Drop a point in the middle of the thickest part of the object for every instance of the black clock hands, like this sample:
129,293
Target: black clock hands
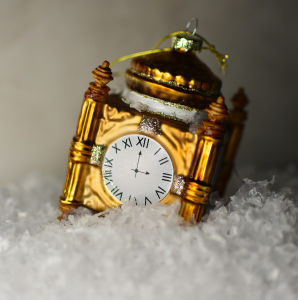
136,170
147,173
140,153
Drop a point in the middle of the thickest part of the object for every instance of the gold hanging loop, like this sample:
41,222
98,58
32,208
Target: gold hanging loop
221,58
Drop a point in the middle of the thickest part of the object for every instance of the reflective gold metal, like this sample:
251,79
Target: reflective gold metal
81,176
197,190
103,120
178,78
234,131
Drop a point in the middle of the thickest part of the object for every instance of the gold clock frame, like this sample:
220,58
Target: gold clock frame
103,119
116,120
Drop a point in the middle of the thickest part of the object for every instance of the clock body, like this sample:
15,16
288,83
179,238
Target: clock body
167,155
156,142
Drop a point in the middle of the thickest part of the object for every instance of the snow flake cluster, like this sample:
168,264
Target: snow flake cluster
245,250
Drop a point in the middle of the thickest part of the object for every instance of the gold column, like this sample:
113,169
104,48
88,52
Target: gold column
82,143
197,189
235,127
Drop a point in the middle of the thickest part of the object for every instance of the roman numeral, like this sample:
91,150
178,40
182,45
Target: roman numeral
163,161
157,151
107,174
166,177
108,162
134,198
127,143
160,191
115,147
119,194
143,142
146,199
115,191
109,181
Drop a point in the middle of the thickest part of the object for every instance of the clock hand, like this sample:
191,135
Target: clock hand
137,171
147,173
140,153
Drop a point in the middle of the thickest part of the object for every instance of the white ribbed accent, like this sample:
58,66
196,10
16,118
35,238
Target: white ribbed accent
142,103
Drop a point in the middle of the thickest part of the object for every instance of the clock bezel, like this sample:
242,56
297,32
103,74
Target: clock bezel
139,152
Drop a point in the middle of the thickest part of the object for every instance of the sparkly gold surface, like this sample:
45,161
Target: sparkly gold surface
178,184
184,43
97,154
150,126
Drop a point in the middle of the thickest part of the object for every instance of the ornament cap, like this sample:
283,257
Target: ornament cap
186,43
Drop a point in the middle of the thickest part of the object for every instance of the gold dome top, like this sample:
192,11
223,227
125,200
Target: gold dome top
175,76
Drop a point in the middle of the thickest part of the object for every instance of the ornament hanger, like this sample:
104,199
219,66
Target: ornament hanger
221,58
188,24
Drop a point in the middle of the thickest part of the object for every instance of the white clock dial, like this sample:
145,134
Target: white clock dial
137,168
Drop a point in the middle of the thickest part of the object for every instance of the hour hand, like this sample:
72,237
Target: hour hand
147,173
137,171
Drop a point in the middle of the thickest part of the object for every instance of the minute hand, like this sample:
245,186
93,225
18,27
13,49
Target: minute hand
140,153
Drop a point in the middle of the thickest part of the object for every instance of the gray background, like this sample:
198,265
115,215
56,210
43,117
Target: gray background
49,48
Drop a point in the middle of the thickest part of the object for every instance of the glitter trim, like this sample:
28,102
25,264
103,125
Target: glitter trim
170,110
178,185
97,154
166,103
186,43
150,126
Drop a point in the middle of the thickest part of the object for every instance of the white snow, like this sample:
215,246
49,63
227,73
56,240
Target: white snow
247,250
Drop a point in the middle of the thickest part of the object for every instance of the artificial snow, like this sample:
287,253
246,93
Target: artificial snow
245,250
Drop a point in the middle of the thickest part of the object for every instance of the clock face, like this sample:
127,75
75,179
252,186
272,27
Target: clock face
137,169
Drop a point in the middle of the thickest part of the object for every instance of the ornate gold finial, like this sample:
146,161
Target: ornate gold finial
102,76
217,112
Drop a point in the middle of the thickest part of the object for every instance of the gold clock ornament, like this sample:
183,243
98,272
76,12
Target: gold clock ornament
157,141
